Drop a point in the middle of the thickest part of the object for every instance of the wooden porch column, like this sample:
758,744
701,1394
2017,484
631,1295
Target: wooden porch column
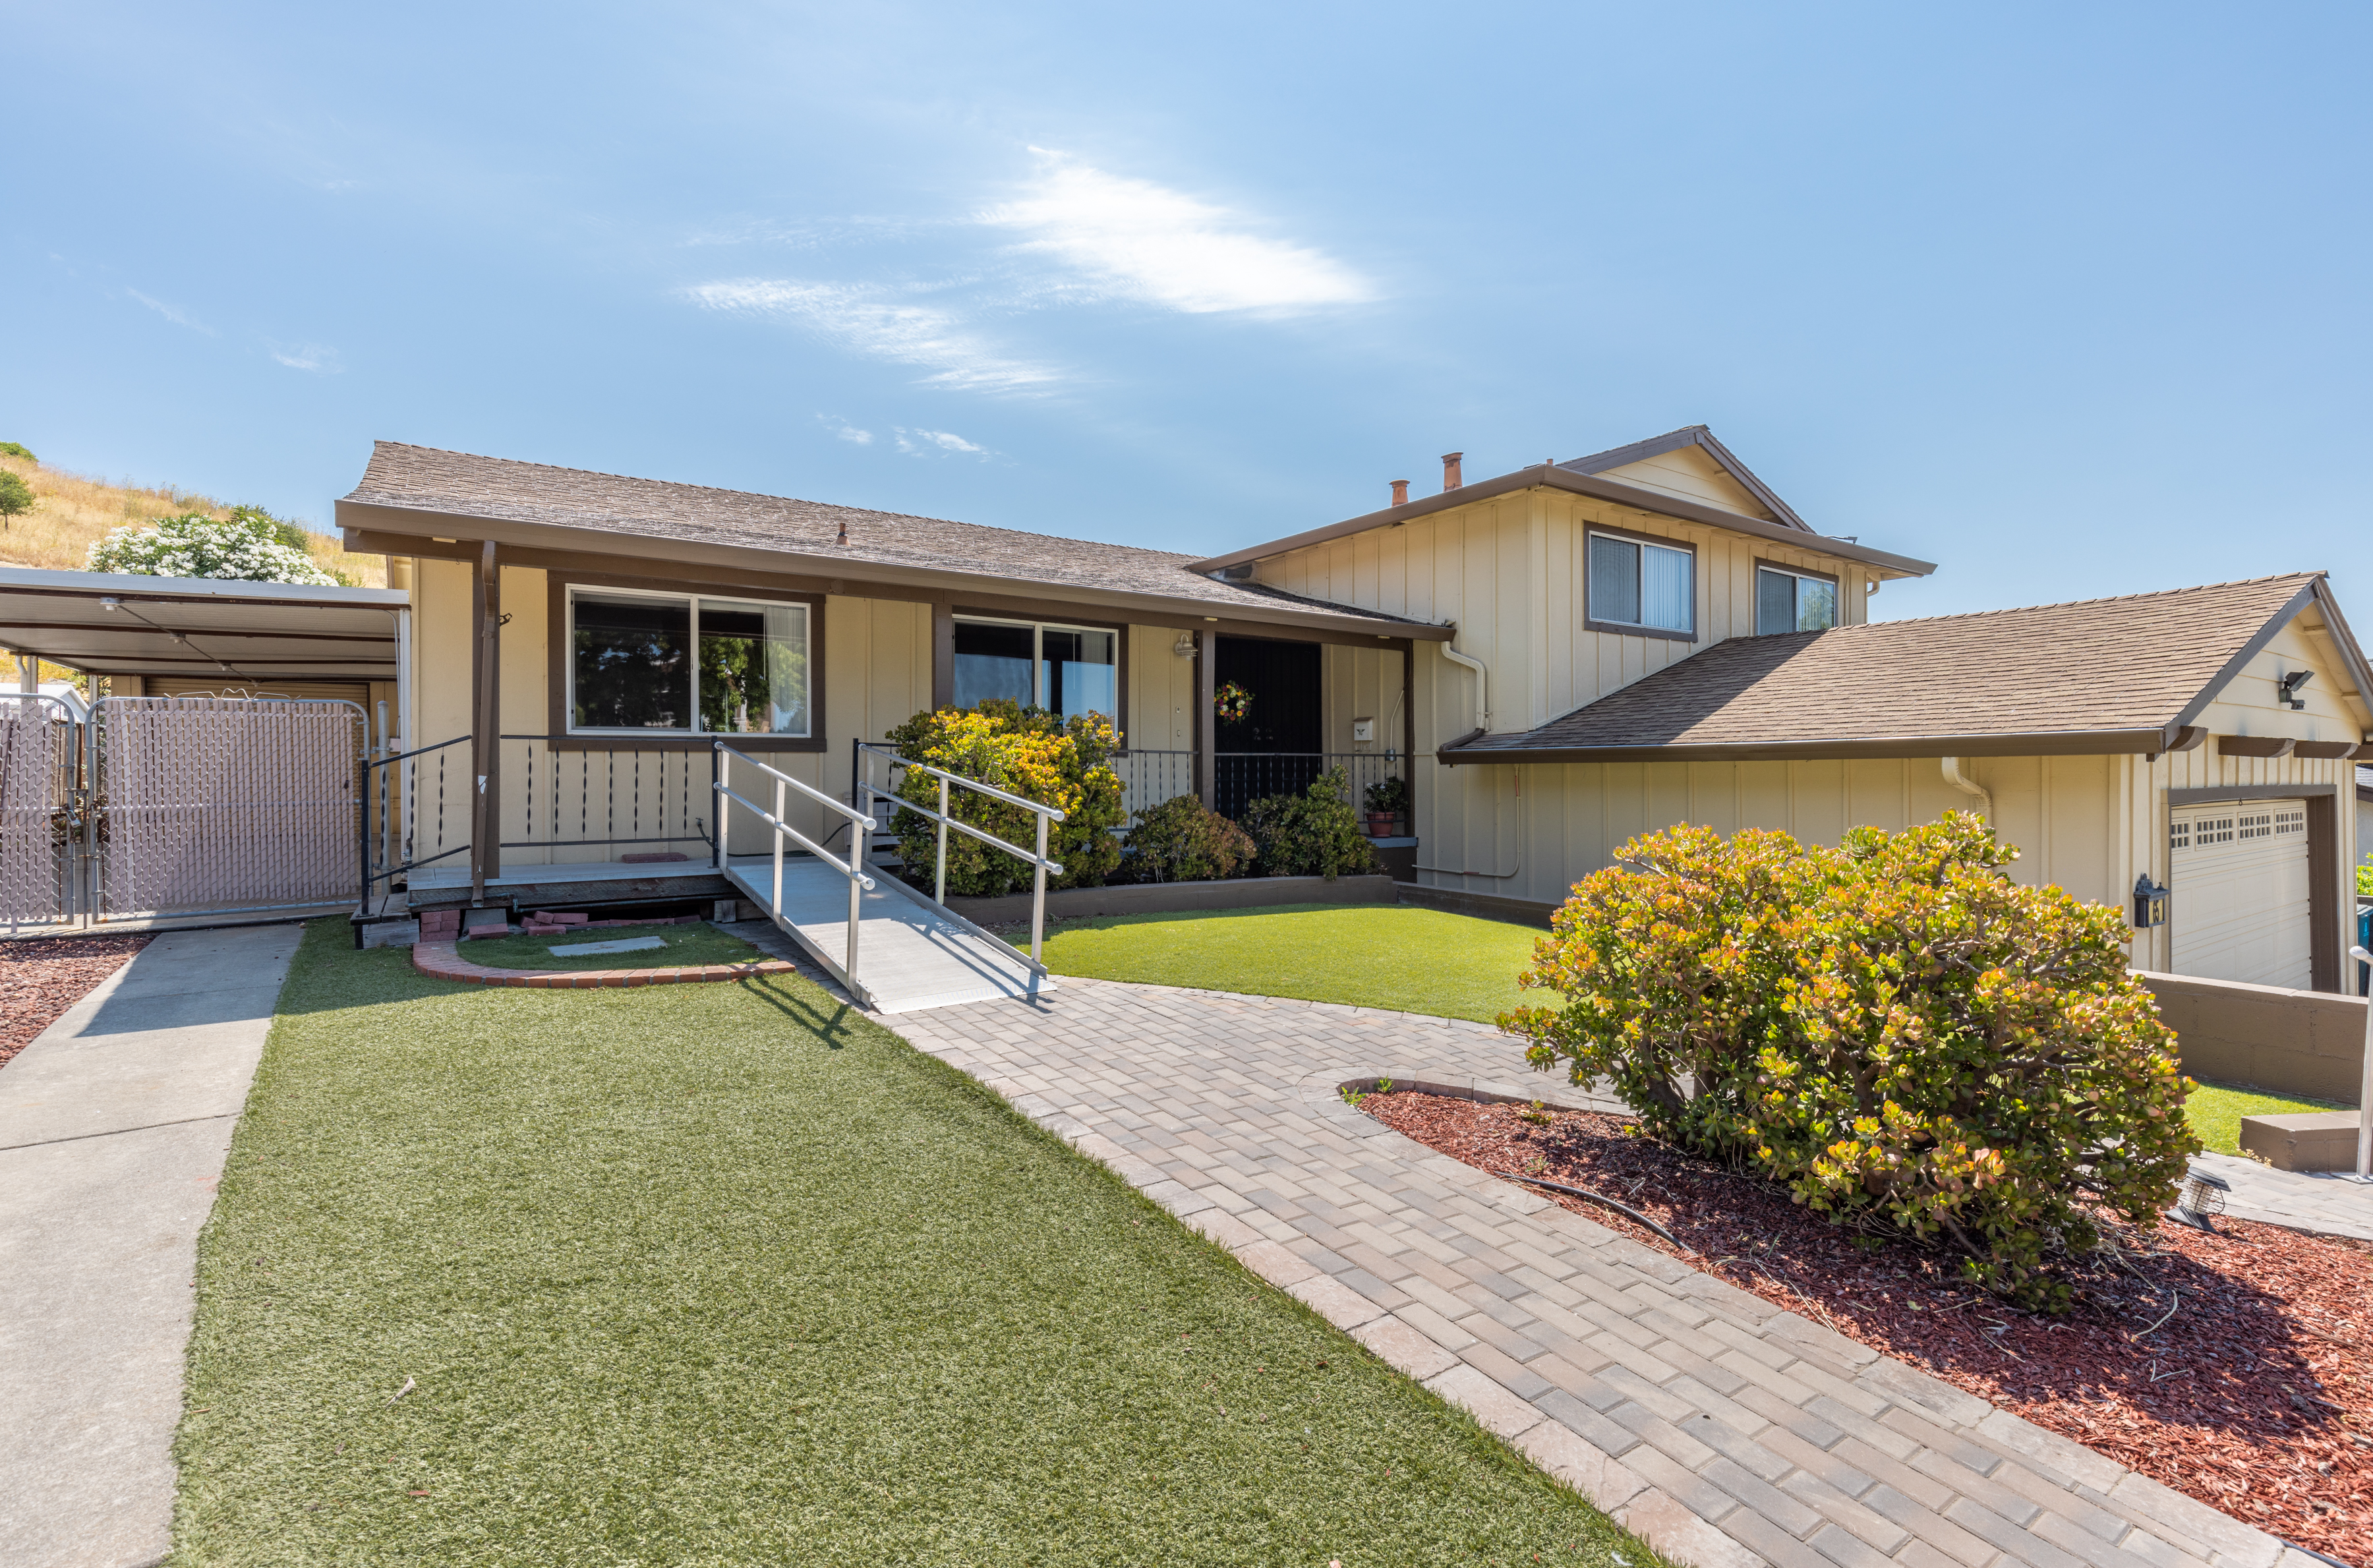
1409,724
943,654
1207,720
485,726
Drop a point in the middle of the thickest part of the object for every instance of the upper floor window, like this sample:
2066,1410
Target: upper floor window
1635,585
1787,600
1067,670
685,664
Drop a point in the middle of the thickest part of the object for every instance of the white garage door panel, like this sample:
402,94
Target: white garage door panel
2241,892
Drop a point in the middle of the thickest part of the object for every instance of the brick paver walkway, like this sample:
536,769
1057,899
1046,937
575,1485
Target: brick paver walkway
1720,1430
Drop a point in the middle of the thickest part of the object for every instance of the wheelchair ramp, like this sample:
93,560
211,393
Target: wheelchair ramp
909,956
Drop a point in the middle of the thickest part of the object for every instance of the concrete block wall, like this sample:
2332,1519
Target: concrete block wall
2286,1042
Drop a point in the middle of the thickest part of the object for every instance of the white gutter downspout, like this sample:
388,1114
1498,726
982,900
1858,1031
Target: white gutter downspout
1482,709
1967,786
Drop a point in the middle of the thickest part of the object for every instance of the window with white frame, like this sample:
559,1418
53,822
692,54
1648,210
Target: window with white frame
1635,583
1789,601
686,663
1066,670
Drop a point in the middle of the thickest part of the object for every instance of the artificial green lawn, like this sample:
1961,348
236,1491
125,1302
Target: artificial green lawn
727,1274
2216,1113
1387,955
700,942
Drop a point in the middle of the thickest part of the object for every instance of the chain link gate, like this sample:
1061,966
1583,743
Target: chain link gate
39,771
218,805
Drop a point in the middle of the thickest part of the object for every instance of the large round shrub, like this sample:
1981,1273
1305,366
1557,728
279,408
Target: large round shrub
1312,833
1911,1041
1024,751
246,549
1183,840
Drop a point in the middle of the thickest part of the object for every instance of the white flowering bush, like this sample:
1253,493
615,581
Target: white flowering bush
246,549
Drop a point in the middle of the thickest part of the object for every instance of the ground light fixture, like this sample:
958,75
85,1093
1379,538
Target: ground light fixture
2201,1200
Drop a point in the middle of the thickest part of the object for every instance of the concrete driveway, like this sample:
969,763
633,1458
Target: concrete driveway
113,1125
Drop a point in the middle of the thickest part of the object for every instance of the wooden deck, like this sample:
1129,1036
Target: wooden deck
909,956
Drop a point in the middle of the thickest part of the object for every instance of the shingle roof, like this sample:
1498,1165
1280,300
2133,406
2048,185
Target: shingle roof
1690,436
458,483
2135,663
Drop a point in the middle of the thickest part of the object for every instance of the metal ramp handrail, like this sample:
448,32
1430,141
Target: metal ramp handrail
1038,862
858,882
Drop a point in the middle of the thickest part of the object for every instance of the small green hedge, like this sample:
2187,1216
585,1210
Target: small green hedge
1916,1045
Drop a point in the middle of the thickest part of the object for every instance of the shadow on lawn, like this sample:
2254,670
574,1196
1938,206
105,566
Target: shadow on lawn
818,1013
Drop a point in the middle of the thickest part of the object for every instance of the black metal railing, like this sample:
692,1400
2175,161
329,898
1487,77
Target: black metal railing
1238,779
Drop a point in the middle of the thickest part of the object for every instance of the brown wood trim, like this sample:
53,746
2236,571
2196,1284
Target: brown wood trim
2082,742
2323,893
2254,746
2210,794
2188,738
2326,750
1086,622
943,655
1207,720
1613,629
1408,726
556,673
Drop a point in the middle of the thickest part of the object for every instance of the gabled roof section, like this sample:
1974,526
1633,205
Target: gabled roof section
2101,675
1696,436
425,491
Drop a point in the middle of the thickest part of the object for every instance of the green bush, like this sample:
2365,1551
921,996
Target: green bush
1311,834
1914,1043
1389,795
246,550
1183,840
1024,751
16,450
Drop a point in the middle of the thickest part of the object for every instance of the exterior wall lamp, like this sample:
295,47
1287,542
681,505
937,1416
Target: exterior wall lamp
2150,903
2289,685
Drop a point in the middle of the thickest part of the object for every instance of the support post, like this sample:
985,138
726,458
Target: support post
1038,894
716,804
778,851
940,880
1408,727
481,747
1207,720
943,655
2365,1087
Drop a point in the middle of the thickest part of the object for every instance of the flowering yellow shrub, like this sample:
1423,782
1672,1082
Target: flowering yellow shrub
1024,751
1913,1042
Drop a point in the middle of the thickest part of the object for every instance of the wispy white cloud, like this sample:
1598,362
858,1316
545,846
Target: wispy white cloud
172,313
1145,241
318,357
886,323
845,430
923,443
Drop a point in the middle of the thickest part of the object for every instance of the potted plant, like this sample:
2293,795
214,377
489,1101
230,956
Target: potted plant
1387,804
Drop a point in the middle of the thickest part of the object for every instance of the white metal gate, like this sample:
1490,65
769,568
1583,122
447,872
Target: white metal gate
205,805
2242,909
40,758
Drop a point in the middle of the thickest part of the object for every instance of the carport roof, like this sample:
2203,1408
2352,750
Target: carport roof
118,624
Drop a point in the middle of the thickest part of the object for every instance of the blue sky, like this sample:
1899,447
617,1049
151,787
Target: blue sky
2069,299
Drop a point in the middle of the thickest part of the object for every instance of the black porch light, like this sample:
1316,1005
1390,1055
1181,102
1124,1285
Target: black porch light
2150,903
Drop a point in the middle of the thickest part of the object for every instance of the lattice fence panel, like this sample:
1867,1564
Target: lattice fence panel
213,804
37,753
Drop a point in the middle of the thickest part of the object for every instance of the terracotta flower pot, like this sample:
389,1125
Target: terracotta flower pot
1380,824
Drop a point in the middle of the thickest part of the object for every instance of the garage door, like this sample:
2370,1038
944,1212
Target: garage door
2240,910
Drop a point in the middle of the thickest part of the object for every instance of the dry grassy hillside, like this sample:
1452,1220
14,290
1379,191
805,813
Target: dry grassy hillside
72,512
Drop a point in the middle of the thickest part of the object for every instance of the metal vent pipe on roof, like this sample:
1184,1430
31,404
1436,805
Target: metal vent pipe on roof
1449,480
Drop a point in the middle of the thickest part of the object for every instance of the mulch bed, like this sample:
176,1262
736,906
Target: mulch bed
38,980
2254,1395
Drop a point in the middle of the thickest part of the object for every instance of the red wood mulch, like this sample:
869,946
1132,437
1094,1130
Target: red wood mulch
2255,1396
38,980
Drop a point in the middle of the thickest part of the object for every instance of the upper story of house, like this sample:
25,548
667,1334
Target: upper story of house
1572,580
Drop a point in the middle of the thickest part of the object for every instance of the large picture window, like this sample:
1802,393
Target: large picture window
671,663
1635,585
1068,670
1789,601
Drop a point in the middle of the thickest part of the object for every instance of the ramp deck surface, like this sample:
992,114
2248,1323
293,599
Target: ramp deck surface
908,955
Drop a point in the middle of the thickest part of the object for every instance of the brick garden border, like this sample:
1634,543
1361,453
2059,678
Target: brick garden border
443,961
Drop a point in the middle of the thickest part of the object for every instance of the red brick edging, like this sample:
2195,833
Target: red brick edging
443,961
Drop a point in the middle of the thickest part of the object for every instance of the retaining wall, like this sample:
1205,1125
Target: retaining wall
2286,1042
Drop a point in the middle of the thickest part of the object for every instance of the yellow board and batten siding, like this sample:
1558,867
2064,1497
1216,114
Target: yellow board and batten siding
1509,571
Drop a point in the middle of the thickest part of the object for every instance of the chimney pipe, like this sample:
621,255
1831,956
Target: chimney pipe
1449,480
1400,492
843,537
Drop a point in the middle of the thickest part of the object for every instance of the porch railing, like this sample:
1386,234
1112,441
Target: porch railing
1150,778
584,798
858,882
1238,779
864,791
